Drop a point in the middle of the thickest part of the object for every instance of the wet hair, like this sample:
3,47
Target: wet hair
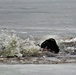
51,45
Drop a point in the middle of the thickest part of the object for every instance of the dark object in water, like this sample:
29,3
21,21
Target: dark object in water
50,45
12,56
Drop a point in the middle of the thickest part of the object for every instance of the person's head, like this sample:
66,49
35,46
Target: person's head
50,45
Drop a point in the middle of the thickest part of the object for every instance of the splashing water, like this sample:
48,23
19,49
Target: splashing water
14,45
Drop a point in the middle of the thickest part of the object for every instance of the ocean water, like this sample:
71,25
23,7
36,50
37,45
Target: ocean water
54,69
41,19
38,14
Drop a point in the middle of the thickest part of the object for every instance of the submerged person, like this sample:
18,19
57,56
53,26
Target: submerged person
50,45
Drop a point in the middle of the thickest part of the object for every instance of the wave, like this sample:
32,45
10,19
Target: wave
67,44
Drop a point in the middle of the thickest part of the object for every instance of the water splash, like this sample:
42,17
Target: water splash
14,45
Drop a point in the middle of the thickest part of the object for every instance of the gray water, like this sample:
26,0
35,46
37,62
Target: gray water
54,69
39,16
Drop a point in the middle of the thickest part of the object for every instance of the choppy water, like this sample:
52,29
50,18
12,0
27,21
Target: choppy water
40,18
67,44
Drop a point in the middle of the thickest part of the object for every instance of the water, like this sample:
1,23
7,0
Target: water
41,19
11,41
46,15
54,69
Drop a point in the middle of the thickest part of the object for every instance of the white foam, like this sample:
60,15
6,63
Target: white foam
23,32
30,43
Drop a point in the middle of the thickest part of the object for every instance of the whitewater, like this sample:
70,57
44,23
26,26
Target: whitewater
28,41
